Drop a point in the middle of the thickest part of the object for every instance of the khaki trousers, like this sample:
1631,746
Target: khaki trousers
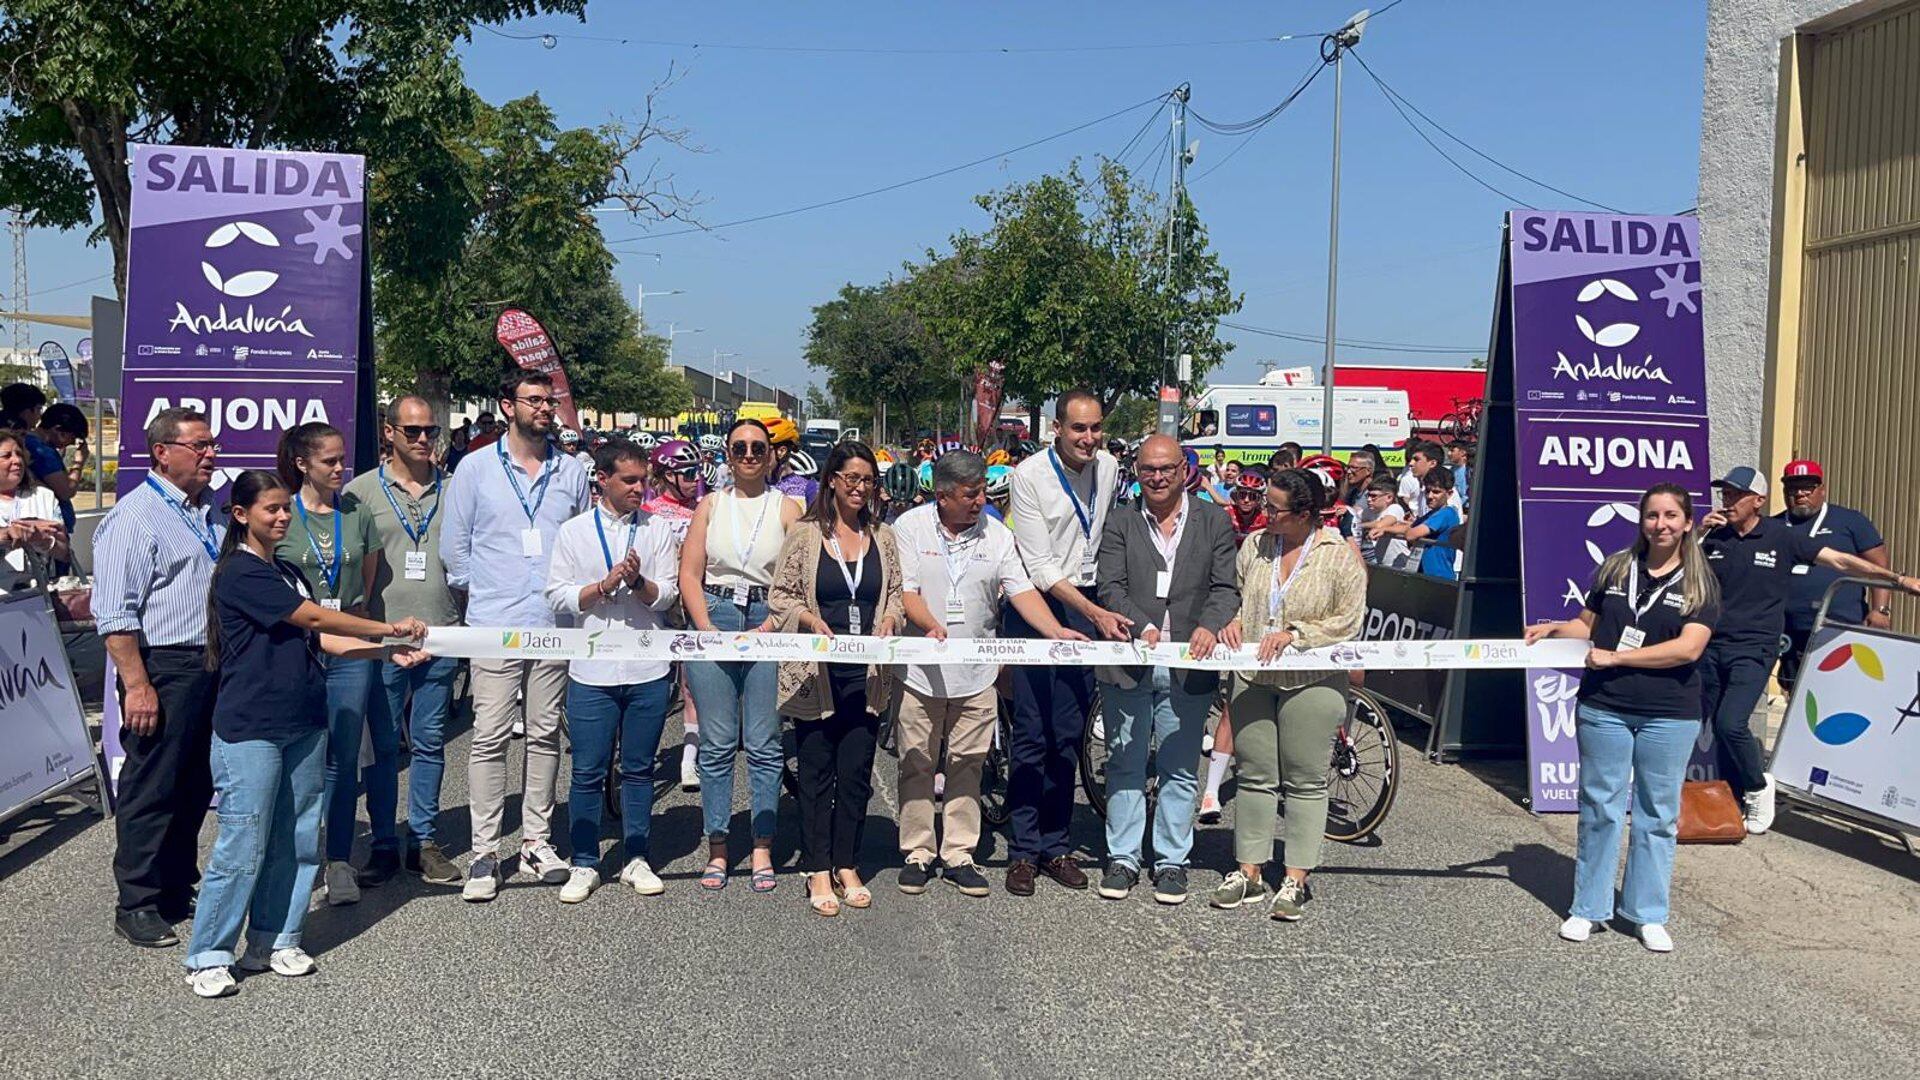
921,724
502,691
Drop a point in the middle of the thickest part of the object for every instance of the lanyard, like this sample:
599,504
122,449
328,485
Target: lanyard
1633,590
329,569
1818,520
406,519
539,486
206,538
1169,546
859,567
1079,508
946,549
632,528
1277,590
733,525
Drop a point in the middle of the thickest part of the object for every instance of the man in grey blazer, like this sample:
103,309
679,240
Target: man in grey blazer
1169,567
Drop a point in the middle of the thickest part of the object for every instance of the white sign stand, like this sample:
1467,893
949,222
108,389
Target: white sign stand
45,748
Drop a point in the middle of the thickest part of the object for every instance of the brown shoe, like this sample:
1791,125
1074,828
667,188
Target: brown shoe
1064,870
1020,878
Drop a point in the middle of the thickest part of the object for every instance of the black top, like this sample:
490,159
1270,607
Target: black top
1669,693
1832,526
1756,574
272,684
835,601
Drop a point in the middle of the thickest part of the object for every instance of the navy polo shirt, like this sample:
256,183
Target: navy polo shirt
272,685
1755,572
1842,529
1670,693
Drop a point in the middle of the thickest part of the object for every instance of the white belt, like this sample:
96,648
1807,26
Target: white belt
507,643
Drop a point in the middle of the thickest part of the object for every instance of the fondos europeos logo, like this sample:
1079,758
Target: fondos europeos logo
1841,728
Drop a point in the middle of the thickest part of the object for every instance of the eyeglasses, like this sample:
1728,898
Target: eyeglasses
748,450
205,446
855,480
1244,493
416,432
692,472
1158,470
539,402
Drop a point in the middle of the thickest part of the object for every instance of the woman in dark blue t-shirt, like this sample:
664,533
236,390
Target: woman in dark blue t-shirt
265,635
1649,615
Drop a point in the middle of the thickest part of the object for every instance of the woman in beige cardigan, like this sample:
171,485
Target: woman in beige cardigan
838,574
1301,586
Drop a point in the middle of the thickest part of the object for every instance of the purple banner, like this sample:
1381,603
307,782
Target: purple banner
243,295
53,356
1609,399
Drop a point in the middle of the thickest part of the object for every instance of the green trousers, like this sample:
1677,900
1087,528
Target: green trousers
1282,743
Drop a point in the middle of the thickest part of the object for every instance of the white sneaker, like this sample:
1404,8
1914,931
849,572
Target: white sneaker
1759,808
543,862
1655,937
1209,808
641,876
343,885
212,982
483,880
689,774
291,962
581,881
1576,928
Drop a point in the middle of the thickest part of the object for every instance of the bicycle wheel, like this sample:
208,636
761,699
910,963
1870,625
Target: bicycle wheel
993,775
1093,757
1365,770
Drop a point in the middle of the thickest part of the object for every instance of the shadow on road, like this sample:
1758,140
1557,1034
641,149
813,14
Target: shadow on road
1545,873
39,830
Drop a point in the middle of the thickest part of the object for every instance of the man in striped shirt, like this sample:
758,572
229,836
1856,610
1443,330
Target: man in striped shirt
153,568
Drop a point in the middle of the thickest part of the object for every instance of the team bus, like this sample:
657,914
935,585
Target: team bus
1250,422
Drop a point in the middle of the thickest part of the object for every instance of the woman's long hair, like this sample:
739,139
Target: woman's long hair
821,511
1698,585
243,494
301,442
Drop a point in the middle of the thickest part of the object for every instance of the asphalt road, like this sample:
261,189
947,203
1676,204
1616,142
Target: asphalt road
1430,954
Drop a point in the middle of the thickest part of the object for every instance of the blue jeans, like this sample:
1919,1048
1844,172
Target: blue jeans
431,687
1650,755
594,713
267,852
349,692
1152,710
735,703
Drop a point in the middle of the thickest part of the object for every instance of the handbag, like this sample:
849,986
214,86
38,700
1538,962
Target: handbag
1709,814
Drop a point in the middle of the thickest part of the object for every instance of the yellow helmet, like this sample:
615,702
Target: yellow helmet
782,430
999,457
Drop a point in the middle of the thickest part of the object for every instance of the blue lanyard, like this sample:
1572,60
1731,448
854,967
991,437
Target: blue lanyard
539,486
406,520
206,538
601,529
330,573
1079,508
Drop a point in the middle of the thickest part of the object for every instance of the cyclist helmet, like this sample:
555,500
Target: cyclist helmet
781,430
569,437
1328,469
1116,447
899,480
712,444
949,447
801,463
645,440
675,454
999,457
926,476
710,473
999,481
1250,480
884,456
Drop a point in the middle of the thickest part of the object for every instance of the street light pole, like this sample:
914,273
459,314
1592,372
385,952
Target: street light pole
1338,42
640,295
673,332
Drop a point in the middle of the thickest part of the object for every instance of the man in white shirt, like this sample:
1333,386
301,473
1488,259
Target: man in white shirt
615,567
1060,503
955,565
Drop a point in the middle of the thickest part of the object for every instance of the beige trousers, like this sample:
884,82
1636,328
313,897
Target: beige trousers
502,690
966,726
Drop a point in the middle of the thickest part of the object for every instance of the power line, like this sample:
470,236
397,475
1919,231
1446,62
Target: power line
1353,343
1299,89
1425,138
985,50
899,184
1394,96
1121,157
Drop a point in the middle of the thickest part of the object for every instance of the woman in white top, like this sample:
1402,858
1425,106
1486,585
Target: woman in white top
31,537
725,568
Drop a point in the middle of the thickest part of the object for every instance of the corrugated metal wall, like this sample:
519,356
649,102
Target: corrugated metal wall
1858,404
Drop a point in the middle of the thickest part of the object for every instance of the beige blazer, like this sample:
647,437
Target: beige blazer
803,691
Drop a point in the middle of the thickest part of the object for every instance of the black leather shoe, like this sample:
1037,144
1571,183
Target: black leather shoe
145,929
382,864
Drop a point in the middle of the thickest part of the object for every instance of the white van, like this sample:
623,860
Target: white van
1250,422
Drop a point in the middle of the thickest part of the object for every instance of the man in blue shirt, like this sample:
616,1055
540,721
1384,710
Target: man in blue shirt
1829,525
61,426
504,506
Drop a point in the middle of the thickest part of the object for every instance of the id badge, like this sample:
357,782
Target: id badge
1631,638
1087,564
739,596
1162,583
416,566
1802,568
531,543
853,620
956,610
330,605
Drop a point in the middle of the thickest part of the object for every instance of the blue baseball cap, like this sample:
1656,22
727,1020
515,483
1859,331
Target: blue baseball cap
1744,478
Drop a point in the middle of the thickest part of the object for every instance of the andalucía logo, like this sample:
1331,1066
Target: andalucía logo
1842,728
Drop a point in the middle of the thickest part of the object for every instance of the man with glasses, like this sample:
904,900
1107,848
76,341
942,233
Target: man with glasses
504,506
404,494
1829,525
153,569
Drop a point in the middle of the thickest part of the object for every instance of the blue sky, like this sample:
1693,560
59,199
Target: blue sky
1602,101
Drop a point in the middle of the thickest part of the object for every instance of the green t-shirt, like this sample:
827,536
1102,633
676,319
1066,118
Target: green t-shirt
395,596
356,540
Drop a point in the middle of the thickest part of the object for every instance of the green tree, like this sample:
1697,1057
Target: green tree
1071,286
875,353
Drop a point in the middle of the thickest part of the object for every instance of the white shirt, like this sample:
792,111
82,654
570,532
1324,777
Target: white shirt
1413,491
38,504
579,560
987,566
1053,544
1391,551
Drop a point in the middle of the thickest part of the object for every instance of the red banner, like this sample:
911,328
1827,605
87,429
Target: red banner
986,399
530,346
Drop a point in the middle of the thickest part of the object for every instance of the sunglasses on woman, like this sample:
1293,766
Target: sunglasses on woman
748,450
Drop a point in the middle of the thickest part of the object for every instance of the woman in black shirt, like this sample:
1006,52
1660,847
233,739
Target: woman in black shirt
265,635
838,574
1649,615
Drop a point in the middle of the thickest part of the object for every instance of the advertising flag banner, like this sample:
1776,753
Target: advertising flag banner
986,398
53,356
243,295
1852,730
532,348
1609,399
83,369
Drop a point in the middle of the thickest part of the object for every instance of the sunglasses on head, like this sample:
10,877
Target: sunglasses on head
744,449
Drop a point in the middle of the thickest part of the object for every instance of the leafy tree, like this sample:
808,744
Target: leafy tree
874,352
